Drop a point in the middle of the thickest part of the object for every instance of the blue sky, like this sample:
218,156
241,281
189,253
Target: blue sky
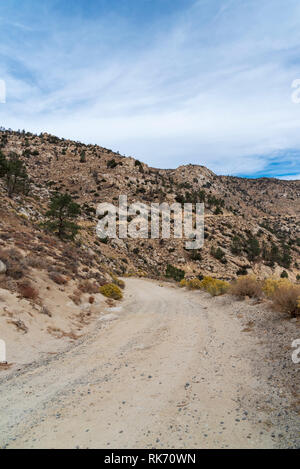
168,81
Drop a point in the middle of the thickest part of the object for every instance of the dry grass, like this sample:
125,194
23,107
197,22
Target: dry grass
286,298
76,297
86,286
15,264
27,291
5,366
285,295
60,334
46,311
57,278
19,325
247,285
36,262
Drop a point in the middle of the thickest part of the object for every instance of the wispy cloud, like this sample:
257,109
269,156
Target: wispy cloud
209,84
292,177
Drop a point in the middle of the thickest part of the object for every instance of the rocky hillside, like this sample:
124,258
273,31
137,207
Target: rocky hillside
250,225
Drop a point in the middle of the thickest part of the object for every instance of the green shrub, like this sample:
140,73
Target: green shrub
252,248
242,272
236,246
176,274
196,256
82,157
218,254
111,164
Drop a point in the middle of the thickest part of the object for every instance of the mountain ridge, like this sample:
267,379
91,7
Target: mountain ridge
238,210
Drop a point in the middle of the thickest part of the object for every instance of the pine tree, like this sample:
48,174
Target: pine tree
82,157
62,215
252,248
14,171
3,165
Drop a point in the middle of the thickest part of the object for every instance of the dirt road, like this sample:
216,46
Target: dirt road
166,371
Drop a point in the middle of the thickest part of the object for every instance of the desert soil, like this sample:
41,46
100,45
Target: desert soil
166,368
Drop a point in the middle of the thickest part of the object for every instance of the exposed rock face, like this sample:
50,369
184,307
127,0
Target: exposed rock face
254,222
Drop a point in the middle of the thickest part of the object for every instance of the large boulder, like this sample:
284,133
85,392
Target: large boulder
2,268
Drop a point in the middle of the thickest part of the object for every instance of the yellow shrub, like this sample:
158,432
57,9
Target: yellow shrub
117,281
217,287
193,284
206,283
142,274
214,286
272,284
111,291
211,285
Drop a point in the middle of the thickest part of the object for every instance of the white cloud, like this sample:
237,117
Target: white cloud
215,89
294,177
